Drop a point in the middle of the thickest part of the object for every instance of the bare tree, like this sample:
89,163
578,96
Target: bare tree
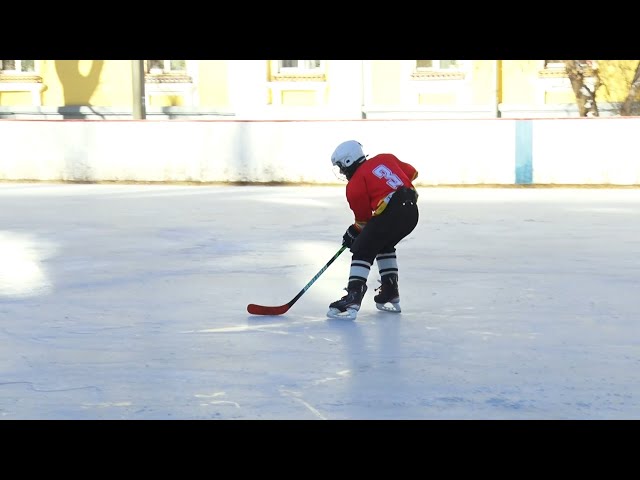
578,70
633,94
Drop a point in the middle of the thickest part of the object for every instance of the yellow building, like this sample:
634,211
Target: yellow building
301,89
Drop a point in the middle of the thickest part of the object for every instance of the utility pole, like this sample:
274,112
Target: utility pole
139,109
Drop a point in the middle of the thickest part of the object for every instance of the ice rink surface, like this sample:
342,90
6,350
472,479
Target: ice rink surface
129,302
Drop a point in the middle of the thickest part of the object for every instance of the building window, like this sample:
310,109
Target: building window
436,82
298,66
159,67
557,69
171,79
553,85
21,76
297,71
300,82
560,63
438,69
434,65
18,66
551,64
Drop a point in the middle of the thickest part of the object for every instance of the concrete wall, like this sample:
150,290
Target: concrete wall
445,152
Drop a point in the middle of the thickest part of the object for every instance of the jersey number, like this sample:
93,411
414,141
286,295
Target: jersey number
382,171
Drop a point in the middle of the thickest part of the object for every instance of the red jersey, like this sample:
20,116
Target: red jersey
368,189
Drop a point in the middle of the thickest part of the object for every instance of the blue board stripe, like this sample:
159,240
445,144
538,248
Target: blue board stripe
524,156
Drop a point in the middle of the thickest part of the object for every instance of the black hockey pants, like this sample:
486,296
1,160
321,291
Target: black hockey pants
382,233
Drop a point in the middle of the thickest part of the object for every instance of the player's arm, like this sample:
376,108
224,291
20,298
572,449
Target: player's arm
406,168
409,170
358,199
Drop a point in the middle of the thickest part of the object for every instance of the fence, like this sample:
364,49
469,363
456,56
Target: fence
577,151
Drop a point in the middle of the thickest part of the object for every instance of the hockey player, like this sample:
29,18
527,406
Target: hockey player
383,199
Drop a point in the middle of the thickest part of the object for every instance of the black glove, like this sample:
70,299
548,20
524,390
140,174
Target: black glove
350,236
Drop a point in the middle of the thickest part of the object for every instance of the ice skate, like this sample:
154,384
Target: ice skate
348,306
388,300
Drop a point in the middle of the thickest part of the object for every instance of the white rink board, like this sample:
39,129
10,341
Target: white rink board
445,152
584,151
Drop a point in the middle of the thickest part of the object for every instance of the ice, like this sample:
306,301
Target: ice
129,302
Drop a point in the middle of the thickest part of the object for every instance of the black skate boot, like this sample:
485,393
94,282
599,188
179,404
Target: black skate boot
388,300
348,306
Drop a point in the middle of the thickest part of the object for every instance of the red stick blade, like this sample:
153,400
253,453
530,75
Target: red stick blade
254,309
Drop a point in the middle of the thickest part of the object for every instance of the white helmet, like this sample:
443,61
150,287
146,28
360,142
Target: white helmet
347,157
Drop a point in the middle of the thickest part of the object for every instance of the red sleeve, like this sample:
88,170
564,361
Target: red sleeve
408,169
358,198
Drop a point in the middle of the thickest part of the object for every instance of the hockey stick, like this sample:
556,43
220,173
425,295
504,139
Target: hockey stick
254,309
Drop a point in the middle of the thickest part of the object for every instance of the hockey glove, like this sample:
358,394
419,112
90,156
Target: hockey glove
350,236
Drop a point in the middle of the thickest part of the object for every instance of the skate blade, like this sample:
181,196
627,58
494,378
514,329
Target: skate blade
389,307
348,314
